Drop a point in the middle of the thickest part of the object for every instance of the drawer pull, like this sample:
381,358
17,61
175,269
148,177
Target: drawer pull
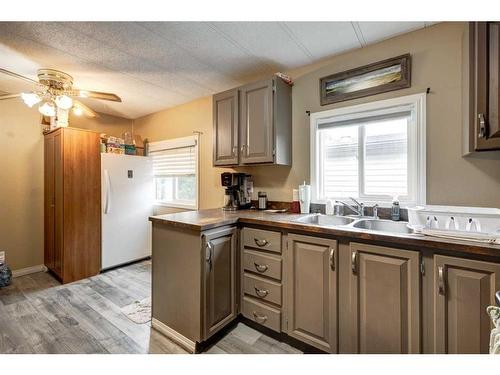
441,286
261,243
259,318
262,293
260,267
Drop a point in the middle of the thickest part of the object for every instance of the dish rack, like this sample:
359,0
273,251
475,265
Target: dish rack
469,223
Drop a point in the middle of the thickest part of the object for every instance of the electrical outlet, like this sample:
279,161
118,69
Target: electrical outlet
2,256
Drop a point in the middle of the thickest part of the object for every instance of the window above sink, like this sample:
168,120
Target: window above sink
371,152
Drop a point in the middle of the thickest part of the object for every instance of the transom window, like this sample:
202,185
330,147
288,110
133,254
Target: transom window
371,152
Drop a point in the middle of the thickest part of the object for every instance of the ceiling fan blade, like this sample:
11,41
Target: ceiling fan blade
86,110
12,74
9,96
96,95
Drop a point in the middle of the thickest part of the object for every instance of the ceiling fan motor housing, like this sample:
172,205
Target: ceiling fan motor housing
55,79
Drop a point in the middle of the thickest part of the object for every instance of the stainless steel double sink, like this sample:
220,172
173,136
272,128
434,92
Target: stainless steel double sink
367,223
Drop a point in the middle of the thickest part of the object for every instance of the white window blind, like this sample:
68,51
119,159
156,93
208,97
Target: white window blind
175,170
372,151
174,162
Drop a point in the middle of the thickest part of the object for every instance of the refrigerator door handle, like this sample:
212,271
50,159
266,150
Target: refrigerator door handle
107,202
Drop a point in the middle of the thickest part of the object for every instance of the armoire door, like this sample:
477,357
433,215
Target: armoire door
256,124
219,279
59,204
385,300
49,202
226,117
312,291
463,288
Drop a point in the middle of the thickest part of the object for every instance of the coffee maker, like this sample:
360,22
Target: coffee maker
238,192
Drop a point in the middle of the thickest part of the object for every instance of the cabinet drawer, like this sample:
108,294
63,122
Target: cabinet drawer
262,239
262,264
262,314
265,290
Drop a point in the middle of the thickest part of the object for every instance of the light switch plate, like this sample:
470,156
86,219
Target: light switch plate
2,256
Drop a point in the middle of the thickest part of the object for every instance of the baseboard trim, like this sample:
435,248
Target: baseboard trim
29,270
173,335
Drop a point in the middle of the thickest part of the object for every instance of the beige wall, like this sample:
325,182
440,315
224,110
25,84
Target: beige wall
436,59
21,178
181,121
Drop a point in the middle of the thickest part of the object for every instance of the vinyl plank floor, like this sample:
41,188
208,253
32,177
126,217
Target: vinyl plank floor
39,315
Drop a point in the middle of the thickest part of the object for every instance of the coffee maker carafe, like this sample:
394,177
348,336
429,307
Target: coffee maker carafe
238,192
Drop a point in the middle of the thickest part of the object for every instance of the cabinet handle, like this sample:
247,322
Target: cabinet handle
354,261
482,126
261,292
332,259
441,286
235,150
210,254
260,243
259,318
243,148
260,267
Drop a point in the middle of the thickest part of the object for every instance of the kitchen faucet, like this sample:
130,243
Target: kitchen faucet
358,208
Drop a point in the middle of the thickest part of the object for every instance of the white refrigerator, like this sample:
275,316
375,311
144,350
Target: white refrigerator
127,203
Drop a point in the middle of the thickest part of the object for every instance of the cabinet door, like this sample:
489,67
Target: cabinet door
225,117
59,203
220,279
312,291
49,202
463,290
256,124
385,299
485,65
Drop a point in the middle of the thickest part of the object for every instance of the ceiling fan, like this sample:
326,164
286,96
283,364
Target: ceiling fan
54,90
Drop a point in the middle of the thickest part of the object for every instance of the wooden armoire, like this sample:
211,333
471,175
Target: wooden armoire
72,203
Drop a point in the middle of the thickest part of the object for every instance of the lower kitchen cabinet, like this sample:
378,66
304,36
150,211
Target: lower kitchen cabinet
312,291
219,279
384,299
463,290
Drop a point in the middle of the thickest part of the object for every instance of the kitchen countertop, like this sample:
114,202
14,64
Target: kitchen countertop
212,218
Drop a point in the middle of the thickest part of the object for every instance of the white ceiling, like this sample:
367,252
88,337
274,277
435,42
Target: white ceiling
156,65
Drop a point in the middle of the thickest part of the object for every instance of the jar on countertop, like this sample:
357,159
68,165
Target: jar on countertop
262,202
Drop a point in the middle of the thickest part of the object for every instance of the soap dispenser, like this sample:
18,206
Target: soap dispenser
395,211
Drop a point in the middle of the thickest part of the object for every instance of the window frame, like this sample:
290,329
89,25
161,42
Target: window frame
416,157
169,144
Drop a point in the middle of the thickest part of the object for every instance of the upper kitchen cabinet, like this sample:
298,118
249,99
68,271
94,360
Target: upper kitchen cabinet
253,124
225,115
484,99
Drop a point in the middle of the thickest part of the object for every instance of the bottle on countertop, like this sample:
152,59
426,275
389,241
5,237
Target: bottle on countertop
395,211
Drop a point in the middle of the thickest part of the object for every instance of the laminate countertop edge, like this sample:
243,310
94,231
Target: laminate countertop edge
203,220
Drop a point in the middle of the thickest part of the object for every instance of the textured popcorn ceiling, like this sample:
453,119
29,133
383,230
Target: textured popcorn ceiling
156,65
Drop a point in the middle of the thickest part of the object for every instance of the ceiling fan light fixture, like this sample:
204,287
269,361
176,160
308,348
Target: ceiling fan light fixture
47,109
64,102
77,111
30,98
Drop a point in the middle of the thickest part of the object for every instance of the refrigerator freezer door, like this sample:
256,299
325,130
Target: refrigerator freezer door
127,203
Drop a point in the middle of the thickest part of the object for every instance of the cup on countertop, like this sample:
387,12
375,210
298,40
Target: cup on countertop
304,198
